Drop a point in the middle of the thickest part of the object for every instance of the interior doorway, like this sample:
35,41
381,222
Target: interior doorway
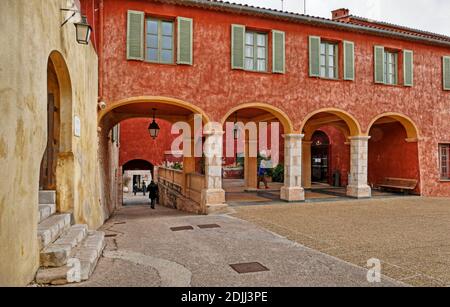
47,180
320,158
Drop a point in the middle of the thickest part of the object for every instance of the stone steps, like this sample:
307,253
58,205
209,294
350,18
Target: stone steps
46,210
81,264
58,253
47,197
52,228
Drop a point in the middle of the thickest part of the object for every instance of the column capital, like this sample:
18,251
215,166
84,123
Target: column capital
294,136
213,132
359,138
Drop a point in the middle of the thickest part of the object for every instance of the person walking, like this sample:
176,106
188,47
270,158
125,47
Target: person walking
153,191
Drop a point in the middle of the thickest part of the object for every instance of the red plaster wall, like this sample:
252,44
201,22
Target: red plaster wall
213,86
391,156
136,143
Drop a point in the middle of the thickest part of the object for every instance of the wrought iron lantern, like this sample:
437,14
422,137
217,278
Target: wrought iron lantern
154,129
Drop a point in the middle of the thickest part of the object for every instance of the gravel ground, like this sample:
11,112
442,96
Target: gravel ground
409,235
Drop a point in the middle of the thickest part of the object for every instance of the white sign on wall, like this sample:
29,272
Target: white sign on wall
77,126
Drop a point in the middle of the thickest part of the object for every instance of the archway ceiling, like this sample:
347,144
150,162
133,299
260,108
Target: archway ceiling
253,114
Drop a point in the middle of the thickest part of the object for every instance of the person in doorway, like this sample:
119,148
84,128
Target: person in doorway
144,188
135,188
262,175
153,191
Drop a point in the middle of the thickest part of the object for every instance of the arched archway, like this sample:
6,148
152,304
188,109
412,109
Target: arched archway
264,127
393,150
57,165
347,152
172,110
137,174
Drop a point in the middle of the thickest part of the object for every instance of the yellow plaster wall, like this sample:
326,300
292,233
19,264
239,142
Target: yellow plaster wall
30,31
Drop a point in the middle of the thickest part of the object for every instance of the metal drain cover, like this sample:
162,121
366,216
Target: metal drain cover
252,267
182,228
208,226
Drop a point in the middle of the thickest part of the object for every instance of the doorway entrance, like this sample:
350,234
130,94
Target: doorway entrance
320,155
47,180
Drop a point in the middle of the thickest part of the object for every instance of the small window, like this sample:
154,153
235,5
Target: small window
444,161
255,51
328,60
390,67
159,41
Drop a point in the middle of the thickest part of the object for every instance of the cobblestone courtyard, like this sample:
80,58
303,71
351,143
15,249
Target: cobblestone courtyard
409,235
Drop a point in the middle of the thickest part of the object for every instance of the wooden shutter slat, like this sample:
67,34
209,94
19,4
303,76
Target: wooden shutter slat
237,46
446,73
314,56
135,35
279,52
349,60
185,40
379,64
408,68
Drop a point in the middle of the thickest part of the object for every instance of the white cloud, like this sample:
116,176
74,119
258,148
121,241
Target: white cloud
428,15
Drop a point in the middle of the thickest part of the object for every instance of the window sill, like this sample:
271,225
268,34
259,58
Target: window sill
255,71
444,180
393,85
329,79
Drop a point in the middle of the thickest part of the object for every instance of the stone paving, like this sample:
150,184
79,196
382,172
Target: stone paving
142,250
410,235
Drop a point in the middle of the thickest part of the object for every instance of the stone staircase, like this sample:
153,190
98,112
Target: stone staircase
68,253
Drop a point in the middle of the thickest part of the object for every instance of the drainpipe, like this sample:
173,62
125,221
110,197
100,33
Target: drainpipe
100,50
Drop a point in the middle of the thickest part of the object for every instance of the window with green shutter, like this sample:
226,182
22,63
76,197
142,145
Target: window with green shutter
408,68
328,60
279,52
159,41
185,33
135,35
390,67
379,64
237,46
255,51
314,56
349,60
446,72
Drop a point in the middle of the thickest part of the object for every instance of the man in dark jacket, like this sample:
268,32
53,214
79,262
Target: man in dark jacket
153,193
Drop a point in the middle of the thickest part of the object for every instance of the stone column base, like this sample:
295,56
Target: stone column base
213,201
292,194
359,191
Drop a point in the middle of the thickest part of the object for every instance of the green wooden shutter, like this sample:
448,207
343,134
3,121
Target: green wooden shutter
408,68
237,46
349,60
379,64
314,56
185,40
279,52
446,73
135,35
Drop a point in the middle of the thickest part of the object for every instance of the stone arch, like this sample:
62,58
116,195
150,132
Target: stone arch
278,113
111,121
352,127
412,131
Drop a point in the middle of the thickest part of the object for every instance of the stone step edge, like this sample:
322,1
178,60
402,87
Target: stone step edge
73,271
45,211
59,252
58,224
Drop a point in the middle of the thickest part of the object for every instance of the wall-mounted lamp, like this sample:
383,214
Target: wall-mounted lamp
83,29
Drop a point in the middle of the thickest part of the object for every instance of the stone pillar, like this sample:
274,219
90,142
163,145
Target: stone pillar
292,190
213,195
357,181
306,164
250,166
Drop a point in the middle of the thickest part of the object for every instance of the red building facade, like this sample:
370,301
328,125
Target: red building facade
380,129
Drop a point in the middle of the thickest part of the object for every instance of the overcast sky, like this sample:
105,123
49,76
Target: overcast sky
429,15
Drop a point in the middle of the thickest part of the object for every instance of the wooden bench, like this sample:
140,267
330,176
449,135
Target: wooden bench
403,185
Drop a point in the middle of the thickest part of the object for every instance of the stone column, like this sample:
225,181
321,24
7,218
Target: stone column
357,182
292,190
213,195
250,167
306,164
